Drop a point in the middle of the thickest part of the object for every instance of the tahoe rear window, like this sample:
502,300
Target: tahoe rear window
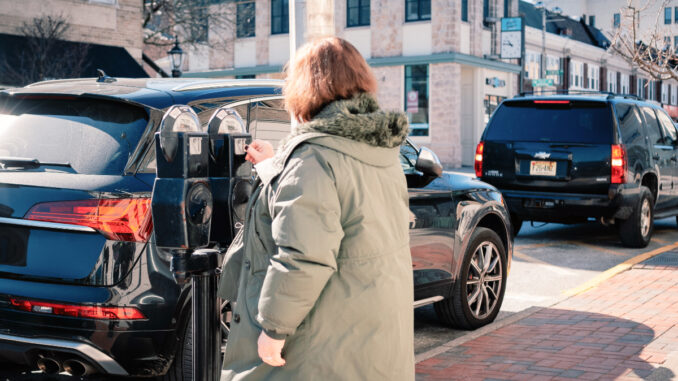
92,136
570,122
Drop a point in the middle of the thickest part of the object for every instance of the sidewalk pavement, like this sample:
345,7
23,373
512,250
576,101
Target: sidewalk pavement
624,329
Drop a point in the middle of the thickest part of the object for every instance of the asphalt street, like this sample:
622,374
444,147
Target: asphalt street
550,262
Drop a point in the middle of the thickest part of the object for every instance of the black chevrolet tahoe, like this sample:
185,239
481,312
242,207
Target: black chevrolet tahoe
568,158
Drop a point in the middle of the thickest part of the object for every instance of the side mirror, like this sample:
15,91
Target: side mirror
428,163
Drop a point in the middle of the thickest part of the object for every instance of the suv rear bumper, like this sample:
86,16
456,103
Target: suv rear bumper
14,347
572,207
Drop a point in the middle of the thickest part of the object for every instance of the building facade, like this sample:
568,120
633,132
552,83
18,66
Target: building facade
104,22
436,60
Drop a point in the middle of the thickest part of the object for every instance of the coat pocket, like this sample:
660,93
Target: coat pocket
231,268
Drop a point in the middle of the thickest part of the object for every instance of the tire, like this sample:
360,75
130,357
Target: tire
182,366
636,231
516,223
459,310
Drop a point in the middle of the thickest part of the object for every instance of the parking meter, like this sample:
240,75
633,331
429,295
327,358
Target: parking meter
229,173
182,208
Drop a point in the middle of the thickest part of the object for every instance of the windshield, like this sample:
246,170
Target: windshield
567,122
92,136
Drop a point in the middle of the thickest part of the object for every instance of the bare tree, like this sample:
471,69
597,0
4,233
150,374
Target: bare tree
192,20
647,49
46,55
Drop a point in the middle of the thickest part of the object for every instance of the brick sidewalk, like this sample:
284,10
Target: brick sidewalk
624,329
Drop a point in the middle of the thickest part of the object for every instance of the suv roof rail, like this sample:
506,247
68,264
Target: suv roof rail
215,84
609,94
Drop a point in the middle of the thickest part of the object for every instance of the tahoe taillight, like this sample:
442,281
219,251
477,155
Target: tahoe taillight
478,163
121,219
618,164
72,310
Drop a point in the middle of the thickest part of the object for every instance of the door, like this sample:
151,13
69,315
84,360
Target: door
670,139
662,156
432,227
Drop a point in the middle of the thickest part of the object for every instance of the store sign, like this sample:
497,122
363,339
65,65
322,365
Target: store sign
495,82
413,101
554,72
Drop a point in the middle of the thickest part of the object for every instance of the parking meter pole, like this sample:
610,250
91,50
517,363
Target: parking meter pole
203,269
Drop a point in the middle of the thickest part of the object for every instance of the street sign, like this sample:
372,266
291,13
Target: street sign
511,37
554,72
542,82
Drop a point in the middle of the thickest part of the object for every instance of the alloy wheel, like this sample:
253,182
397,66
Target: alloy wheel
645,218
484,281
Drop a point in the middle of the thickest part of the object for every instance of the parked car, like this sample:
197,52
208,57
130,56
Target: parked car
84,289
568,158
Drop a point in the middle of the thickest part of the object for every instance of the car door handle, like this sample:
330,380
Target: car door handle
655,156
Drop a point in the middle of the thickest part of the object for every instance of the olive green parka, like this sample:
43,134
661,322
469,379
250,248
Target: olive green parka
325,261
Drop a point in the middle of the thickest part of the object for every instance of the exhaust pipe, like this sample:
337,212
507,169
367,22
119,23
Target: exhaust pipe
77,368
48,365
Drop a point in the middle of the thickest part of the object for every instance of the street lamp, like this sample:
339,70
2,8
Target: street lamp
176,58
555,10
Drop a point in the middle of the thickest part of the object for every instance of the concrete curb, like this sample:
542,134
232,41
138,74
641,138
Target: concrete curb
476,334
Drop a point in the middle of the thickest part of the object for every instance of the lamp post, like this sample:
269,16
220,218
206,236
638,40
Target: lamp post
556,10
176,55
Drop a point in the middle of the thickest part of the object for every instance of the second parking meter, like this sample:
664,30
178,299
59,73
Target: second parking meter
229,173
182,208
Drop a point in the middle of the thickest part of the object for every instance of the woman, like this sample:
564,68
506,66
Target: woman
325,291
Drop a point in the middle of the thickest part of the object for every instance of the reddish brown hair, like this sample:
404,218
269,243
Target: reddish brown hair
322,71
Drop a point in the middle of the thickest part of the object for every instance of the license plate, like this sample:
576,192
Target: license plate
542,168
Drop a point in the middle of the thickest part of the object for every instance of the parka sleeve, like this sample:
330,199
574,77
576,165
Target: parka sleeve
307,229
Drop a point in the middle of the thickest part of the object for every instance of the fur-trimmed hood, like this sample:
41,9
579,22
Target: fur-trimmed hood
360,119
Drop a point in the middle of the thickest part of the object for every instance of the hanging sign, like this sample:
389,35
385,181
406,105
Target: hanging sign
413,101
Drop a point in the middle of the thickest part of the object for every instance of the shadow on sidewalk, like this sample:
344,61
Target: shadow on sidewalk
554,343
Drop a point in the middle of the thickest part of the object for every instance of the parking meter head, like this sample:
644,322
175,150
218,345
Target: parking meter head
182,202
230,174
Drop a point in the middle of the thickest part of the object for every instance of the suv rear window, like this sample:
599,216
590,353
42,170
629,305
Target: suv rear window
571,122
93,136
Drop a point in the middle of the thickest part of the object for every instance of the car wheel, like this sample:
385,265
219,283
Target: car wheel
516,223
636,231
182,367
479,290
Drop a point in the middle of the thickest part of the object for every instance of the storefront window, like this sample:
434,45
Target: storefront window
491,103
416,98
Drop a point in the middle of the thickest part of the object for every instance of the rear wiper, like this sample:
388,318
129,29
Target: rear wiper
27,163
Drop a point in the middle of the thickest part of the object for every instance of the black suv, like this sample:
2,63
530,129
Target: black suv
84,289
567,158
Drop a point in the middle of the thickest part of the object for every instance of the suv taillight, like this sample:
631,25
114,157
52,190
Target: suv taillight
478,164
121,219
618,164
72,310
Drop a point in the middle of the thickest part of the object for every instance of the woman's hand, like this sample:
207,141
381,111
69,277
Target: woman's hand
270,350
259,151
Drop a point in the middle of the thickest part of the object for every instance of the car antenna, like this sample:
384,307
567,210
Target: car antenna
103,77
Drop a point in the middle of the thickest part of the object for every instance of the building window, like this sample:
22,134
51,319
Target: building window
464,10
416,98
592,21
507,8
357,13
667,41
674,97
625,83
594,77
675,15
486,9
245,19
612,81
417,10
675,41
665,93
667,15
280,17
616,20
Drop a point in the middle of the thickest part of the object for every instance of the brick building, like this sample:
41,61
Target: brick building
105,22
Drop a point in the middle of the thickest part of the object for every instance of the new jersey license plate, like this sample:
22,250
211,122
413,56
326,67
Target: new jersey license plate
542,168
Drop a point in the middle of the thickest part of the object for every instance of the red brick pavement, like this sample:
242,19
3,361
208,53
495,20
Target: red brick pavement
621,330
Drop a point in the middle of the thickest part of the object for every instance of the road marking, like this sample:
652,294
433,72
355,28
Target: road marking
538,245
596,248
659,240
609,273
554,268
